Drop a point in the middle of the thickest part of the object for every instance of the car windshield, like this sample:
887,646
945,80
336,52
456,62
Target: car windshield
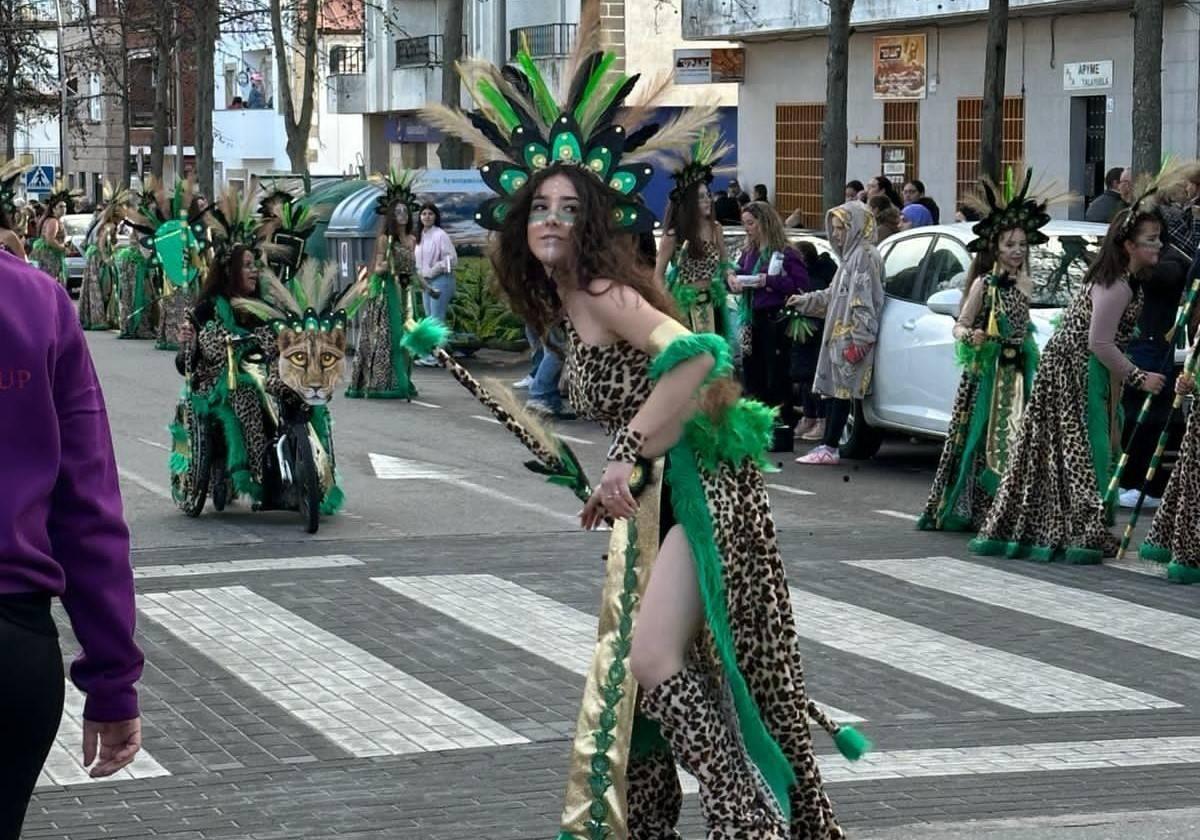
76,225
1058,268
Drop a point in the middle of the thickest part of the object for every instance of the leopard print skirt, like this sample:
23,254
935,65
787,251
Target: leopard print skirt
138,314
95,293
172,309
382,368
1174,536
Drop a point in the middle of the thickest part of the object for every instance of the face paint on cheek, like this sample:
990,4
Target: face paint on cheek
541,217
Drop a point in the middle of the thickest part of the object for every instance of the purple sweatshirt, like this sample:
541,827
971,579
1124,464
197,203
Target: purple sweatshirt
793,281
62,530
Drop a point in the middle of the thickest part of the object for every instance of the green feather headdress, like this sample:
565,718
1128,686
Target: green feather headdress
310,302
1003,207
67,195
700,163
232,222
399,187
521,127
293,218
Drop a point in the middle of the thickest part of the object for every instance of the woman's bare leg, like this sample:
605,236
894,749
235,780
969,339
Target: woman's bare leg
670,614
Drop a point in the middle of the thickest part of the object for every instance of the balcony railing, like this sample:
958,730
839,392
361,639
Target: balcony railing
546,40
346,60
422,51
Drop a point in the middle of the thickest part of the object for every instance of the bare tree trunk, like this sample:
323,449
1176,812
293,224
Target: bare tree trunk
298,128
991,129
206,20
8,102
451,151
834,133
1147,86
162,88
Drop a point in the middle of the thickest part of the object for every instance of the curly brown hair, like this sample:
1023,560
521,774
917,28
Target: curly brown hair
601,251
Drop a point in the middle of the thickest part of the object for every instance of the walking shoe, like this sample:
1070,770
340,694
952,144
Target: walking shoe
823,455
1128,499
524,382
817,432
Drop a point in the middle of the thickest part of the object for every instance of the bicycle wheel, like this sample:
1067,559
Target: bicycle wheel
189,488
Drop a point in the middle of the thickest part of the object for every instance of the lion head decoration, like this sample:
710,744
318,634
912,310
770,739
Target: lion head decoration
309,321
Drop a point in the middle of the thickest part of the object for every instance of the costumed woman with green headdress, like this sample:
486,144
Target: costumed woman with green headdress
137,291
98,294
1051,505
996,349
693,564
692,261
176,264
285,228
49,250
10,241
382,363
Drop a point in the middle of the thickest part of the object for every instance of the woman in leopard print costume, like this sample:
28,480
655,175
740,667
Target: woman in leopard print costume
1050,504
1174,537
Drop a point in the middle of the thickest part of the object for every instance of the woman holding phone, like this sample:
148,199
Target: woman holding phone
436,259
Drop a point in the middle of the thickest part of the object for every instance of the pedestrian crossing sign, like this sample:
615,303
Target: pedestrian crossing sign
39,179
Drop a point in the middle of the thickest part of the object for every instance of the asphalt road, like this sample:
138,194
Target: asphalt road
412,671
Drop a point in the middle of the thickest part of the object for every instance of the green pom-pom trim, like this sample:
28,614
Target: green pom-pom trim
333,501
689,346
851,743
744,432
926,523
986,547
1179,573
426,335
1036,553
1154,553
1083,556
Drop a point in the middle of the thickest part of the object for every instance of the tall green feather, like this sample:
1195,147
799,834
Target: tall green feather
593,82
543,100
501,105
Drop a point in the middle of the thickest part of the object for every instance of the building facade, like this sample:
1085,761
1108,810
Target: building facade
915,82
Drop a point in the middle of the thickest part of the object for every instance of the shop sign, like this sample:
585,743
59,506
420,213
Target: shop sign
900,67
1087,75
702,67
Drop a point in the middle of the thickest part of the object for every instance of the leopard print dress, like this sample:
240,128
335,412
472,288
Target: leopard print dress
992,394
609,384
382,367
1174,536
693,288
1049,506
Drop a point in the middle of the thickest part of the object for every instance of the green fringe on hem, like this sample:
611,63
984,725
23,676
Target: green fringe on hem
691,511
1083,556
987,547
1179,573
1154,553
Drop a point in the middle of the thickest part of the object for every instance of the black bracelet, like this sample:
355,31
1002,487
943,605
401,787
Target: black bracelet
626,446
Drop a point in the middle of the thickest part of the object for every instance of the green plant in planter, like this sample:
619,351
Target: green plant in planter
478,312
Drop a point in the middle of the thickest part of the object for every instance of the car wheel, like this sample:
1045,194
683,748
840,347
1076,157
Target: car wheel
860,440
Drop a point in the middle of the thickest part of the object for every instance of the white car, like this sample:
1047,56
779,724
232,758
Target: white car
77,226
915,372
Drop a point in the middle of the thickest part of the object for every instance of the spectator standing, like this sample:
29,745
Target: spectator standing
882,185
545,397
806,346
914,193
854,190
760,193
914,216
436,260
1112,201
725,205
887,217
64,537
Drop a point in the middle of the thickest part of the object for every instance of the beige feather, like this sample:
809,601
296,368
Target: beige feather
588,40
277,294
678,134
456,124
648,95
258,307
509,402
359,289
317,280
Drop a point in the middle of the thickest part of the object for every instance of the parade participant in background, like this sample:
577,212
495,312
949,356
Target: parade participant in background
692,262
997,352
851,307
382,364
697,571
10,238
1050,505
49,251
98,294
436,260
769,271
284,229
64,536
137,312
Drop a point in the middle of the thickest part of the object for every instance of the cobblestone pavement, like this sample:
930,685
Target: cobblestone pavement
370,685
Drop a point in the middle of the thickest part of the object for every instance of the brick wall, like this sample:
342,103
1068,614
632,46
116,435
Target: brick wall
612,27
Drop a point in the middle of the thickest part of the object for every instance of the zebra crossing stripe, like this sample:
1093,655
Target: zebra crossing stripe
64,764
265,564
351,697
499,608
1104,614
994,675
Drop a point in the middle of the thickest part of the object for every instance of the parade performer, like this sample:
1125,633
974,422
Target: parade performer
10,240
688,570
285,229
382,364
851,307
98,294
692,260
998,354
137,316
49,251
1051,503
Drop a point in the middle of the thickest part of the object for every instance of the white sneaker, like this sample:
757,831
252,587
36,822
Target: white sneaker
523,383
1128,499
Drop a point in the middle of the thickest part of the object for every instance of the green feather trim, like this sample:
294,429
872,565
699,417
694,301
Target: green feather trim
425,336
1154,553
851,743
982,368
689,346
1083,556
508,117
1179,573
333,501
743,433
986,547
691,511
595,109
1036,553
543,100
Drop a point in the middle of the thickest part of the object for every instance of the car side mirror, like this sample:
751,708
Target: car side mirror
945,302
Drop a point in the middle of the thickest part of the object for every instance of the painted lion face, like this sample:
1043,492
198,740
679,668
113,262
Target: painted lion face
312,361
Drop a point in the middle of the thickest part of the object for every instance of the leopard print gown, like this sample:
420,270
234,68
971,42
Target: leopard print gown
382,368
1174,536
609,384
1049,506
137,312
94,291
693,287
959,500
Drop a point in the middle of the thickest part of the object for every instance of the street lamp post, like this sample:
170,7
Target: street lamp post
62,91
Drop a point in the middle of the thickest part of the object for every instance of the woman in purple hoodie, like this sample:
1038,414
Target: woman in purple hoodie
62,534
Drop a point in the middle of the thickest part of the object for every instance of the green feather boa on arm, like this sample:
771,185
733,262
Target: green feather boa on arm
687,347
